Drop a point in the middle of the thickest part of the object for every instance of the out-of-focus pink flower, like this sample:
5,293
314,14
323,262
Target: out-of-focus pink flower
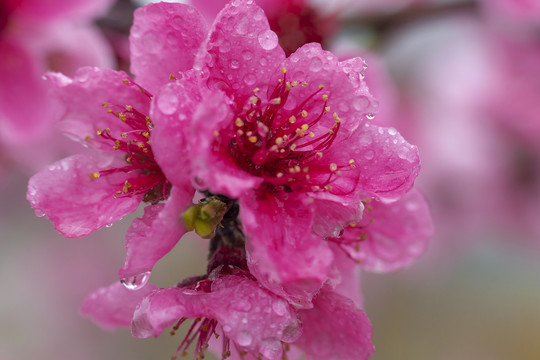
35,37
513,14
287,137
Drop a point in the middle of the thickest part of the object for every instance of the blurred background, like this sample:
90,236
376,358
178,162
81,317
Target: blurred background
460,79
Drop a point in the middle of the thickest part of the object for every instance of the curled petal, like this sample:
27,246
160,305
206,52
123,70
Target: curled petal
164,40
335,329
76,203
283,253
152,236
113,306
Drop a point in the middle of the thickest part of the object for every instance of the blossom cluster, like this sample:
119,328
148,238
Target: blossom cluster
296,185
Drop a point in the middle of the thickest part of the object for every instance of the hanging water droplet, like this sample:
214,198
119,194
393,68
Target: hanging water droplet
244,338
109,225
136,282
39,213
370,116
268,40
392,131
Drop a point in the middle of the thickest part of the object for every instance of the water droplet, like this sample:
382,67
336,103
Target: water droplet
243,305
316,65
136,282
226,328
225,46
268,40
242,26
234,64
39,213
279,307
167,102
369,154
250,79
403,153
263,61
360,103
271,348
109,225
247,55
244,338
370,116
392,131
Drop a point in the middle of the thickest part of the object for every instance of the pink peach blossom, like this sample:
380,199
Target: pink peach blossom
287,137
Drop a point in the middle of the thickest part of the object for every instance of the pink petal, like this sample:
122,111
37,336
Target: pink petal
152,236
238,304
214,169
335,329
242,52
388,164
84,97
113,306
350,101
164,40
22,85
76,204
283,253
397,233
333,213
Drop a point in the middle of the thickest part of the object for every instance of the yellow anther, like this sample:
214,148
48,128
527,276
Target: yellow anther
327,109
125,81
253,100
294,83
291,170
319,154
109,110
325,97
336,117
297,169
216,133
352,225
304,113
364,236
126,187
141,145
279,140
94,175
146,134
331,132
249,133
333,166
279,174
311,134
299,132
240,132
328,187
124,135
306,169
256,90
87,139
305,127
129,107
252,139
116,145
321,86
105,104
238,122
99,132
274,148
293,146
172,77
282,150
351,161
292,119
338,173
276,101
307,176
304,83
288,85
283,70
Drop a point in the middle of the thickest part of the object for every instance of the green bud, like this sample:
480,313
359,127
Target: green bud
205,216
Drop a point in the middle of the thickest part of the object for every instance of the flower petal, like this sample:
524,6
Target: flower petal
388,164
164,40
76,204
396,233
152,236
236,302
283,253
335,329
45,11
113,306
86,99
241,52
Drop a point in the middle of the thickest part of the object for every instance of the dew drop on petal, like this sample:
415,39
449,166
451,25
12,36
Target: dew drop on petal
369,154
247,55
39,213
234,64
316,65
271,348
279,307
109,225
268,40
250,79
392,131
167,102
226,328
136,282
244,338
370,116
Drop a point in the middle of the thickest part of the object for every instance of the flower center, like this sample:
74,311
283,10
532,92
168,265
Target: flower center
144,176
282,145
